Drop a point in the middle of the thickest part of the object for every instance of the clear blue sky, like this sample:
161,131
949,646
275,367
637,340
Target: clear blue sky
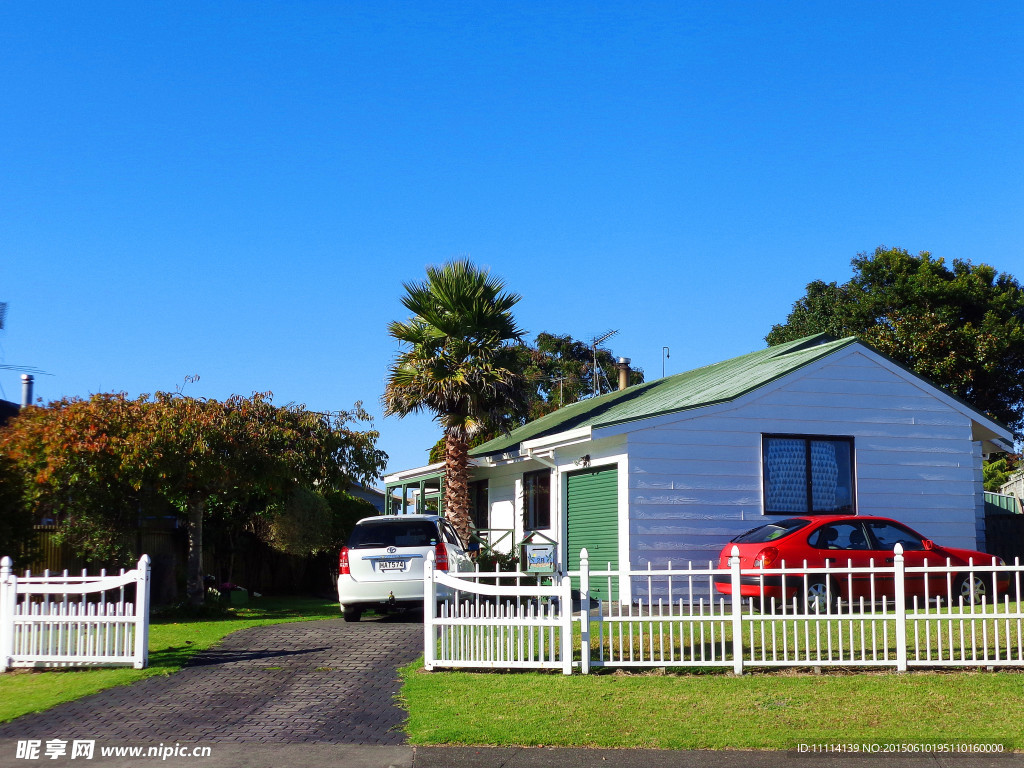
238,190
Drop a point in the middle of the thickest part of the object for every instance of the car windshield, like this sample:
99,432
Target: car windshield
405,533
771,531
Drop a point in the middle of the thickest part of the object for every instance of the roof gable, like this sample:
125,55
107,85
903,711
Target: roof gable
710,385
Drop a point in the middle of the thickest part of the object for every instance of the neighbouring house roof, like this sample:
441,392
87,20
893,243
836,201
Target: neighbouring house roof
713,384
8,410
368,493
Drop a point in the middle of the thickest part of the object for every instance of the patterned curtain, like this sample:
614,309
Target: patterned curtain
785,465
824,476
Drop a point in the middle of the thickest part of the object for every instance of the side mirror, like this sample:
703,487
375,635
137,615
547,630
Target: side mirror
928,544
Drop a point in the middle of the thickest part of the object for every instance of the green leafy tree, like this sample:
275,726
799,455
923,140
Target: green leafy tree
91,464
559,371
311,523
960,326
17,535
998,472
458,360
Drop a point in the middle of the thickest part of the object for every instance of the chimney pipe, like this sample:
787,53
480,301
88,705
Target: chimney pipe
26,389
623,366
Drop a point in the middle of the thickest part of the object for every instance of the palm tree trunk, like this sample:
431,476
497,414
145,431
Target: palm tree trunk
456,483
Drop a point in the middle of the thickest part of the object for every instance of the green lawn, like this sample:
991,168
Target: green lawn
712,711
171,643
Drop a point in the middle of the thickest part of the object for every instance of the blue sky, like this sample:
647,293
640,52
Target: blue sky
238,190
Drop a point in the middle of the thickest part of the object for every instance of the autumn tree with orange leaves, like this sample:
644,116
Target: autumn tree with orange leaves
92,465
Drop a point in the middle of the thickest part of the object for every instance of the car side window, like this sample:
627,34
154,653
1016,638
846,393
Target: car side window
450,536
888,535
840,536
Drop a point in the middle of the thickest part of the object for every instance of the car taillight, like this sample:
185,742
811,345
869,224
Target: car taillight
766,557
440,556
343,568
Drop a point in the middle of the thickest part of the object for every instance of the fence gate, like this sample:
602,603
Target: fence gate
469,624
57,620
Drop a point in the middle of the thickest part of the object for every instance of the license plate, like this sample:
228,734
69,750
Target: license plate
391,565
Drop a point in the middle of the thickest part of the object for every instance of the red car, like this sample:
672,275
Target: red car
839,540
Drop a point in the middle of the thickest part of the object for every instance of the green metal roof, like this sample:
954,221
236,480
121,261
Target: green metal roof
717,383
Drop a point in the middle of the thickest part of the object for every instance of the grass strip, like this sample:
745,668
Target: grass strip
171,644
712,711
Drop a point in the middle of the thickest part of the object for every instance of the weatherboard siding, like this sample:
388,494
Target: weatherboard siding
695,482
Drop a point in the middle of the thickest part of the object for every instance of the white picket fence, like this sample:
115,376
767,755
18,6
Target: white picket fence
487,626
680,620
58,620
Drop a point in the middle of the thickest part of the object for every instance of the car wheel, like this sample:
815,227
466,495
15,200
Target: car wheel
352,613
971,587
817,597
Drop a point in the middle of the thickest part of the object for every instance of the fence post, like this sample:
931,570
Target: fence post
8,597
429,609
584,611
737,612
142,613
899,578
565,606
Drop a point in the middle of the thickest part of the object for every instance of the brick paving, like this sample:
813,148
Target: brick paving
321,681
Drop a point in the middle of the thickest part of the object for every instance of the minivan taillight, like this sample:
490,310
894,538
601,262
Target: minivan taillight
440,556
343,569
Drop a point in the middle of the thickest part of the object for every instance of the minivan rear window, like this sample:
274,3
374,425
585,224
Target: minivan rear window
772,531
404,533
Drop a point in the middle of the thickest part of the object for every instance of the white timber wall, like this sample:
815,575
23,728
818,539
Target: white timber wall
505,489
695,482
504,495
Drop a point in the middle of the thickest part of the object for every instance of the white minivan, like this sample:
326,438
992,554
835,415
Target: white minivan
382,564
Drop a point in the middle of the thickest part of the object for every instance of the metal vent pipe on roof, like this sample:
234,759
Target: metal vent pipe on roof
623,366
26,389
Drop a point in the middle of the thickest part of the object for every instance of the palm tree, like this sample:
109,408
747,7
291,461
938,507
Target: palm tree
457,360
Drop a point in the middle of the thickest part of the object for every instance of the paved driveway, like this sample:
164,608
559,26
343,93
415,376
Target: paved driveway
320,681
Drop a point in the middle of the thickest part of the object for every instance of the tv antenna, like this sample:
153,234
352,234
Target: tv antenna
593,345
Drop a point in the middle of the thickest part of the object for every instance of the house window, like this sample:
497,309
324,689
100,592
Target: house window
537,499
479,512
807,475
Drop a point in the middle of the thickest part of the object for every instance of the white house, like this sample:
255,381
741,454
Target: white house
671,470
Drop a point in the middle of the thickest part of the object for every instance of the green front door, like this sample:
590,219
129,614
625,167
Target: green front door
592,512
